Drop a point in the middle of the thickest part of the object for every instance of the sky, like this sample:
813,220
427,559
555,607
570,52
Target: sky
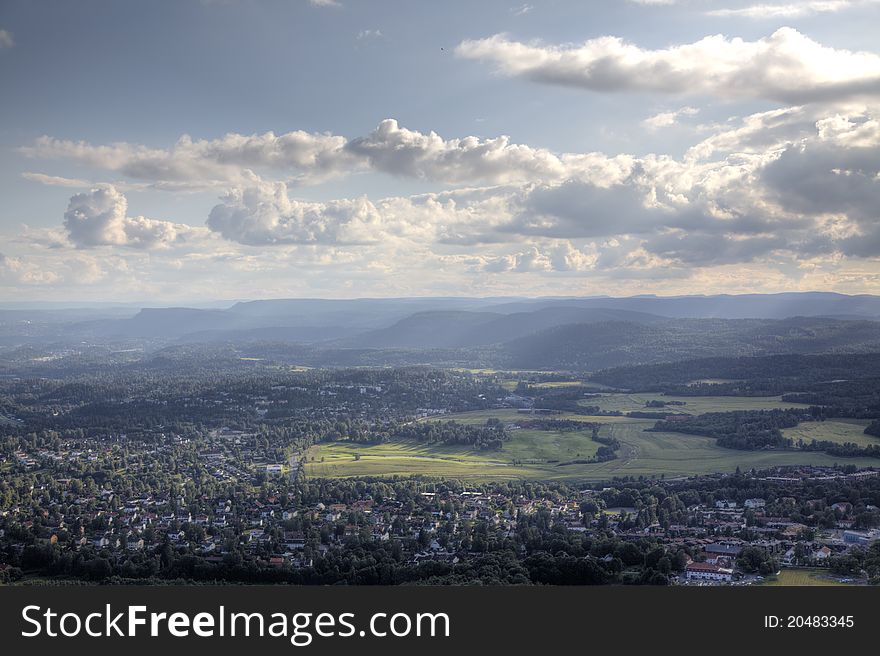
191,150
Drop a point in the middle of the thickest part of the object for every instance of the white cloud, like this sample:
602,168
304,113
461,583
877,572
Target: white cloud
325,3
307,157
207,163
55,180
789,10
98,217
792,189
553,256
860,131
17,270
399,151
786,66
265,214
777,184
667,119
6,40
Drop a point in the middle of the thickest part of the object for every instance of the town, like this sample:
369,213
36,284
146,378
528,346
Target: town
261,471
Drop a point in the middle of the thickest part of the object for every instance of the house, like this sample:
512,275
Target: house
294,540
822,554
708,572
754,504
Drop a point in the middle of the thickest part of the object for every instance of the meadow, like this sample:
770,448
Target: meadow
537,454
528,454
833,430
802,577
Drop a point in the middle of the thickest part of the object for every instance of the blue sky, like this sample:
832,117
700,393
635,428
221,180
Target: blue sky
597,190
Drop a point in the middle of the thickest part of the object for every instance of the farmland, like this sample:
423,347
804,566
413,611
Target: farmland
529,454
803,577
837,430
537,454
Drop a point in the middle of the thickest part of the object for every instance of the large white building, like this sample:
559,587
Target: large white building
707,572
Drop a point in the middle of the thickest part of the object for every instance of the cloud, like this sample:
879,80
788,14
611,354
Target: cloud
789,10
17,270
521,10
548,257
790,191
55,180
303,158
206,163
862,131
399,151
325,3
369,34
6,40
781,184
264,214
838,183
787,66
98,217
759,133
667,119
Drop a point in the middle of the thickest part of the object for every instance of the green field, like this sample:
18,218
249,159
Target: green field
530,454
836,430
802,577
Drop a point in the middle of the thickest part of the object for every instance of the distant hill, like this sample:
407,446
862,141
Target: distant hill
408,323
151,323
453,329
725,306
609,344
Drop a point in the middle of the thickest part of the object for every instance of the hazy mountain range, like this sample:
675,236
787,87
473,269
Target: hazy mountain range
519,333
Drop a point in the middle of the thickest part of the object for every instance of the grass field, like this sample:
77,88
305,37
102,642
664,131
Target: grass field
802,577
528,454
641,452
836,430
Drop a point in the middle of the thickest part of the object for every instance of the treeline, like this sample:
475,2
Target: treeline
741,429
859,398
566,398
762,429
606,452
490,436
561,425
844,450
763,375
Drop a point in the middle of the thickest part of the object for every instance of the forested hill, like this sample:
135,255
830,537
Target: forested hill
608,344
819,369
